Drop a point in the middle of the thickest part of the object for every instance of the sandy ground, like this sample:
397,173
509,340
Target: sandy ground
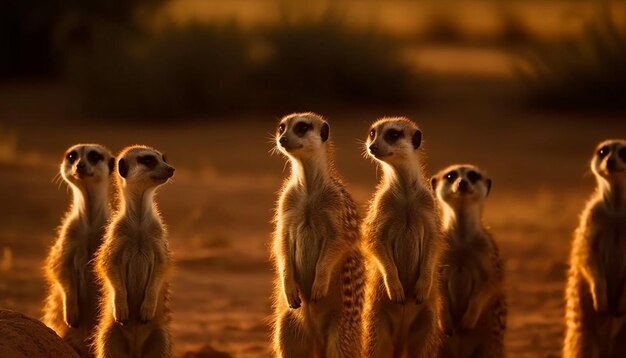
220,205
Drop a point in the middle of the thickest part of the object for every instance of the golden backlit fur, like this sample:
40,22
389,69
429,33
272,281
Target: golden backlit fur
134,263
474,306
319,286
71,305
402,237
595,297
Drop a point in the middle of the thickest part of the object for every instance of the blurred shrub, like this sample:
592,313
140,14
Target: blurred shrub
443,27
323,59
209,68
35,34
589,72
177,71
513,30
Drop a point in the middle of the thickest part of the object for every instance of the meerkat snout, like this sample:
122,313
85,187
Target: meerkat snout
301,132
86,162
609,160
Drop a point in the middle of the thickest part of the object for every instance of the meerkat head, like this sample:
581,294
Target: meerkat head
392,140
87,164
461,184
143,167
301,135
609,161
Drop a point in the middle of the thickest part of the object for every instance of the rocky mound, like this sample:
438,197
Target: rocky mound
24,337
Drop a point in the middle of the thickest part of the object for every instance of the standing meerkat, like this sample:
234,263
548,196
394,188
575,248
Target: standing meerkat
71,306
474,305
134,263
402,236
319,286
595,297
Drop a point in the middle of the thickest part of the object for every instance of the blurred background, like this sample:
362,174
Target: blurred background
525,89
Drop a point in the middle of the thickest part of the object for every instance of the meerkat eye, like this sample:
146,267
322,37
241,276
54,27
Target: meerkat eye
473,176
281,128
451,177
622,154
372,133
393,135
301,128
94,157
71,156
603,152
149,161
164,158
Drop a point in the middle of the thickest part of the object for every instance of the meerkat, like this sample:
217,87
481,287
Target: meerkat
402,238
474,306
134,263
595,298
319,285
71,305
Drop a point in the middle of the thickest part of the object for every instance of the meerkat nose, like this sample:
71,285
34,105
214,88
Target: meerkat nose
611,164
463,185
374,149
283,141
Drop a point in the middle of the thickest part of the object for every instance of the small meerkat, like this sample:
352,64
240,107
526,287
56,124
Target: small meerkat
401,233
595,298
71,305
134,263
319,286
474,305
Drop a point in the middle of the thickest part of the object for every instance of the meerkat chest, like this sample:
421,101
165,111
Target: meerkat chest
308,225
405,231
610,242
466,266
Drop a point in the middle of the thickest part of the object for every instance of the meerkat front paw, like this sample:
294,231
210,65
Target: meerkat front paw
147,310
72,314
470,318
120,312
422,290
293,294
600,303
446,324
395,291
320,288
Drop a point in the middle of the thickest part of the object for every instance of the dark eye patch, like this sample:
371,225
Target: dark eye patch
149,160
392,135
71,156
622,154
281,128
372,133
301,128
602,152
451,176
94,157
473,176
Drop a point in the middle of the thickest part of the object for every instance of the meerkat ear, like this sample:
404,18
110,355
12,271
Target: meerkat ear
488,183
111,165
433,182
325,132
122,167
417,139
